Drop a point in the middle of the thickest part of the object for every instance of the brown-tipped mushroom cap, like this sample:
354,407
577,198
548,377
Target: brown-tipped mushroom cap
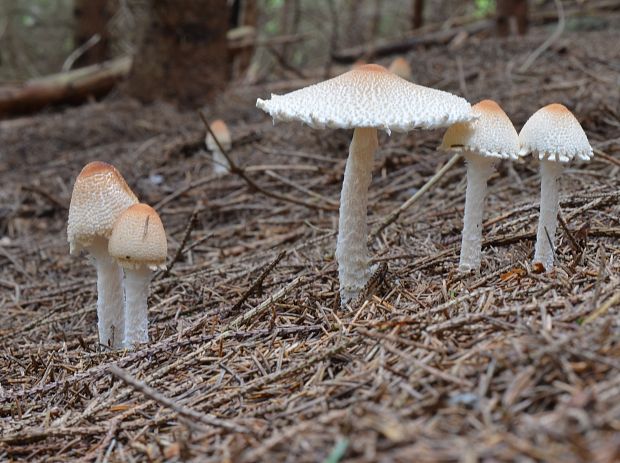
220,130
99,196
369,96
401,68
552,133
138,238
491,135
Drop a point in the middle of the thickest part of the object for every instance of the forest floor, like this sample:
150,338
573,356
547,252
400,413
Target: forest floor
249,346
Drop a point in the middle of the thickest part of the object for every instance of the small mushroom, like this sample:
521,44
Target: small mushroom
400,67
138,243
220,130
555,137
365,99
482,142
100,195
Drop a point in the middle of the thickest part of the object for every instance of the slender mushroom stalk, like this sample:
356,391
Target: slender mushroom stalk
483,141
136,295
479,170
351,249
100,195
110,308
366,99
138,243
550,173
555,136
220,163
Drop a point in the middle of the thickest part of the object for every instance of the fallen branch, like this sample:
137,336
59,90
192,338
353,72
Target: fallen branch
384,48
169,403
66,87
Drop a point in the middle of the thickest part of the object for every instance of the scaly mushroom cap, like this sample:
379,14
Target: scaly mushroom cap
220,130
491,135
368,96
139,239
99,196
401,68
552,133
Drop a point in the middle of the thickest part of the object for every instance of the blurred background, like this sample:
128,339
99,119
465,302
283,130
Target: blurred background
185,50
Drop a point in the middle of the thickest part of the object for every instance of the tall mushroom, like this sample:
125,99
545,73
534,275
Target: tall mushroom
555,137
482,142
138,243
100,195
364,99
220,130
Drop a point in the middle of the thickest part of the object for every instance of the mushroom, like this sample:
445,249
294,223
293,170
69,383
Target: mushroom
555,136
220,130
482,142
364,99
100,195
400,67
138,243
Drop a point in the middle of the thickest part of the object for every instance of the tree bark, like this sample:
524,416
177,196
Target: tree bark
184,53
91,18
418,14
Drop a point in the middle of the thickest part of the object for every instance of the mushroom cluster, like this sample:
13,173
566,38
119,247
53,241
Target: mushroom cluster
106,219
369,97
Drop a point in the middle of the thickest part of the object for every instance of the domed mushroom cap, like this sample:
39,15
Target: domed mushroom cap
368,96
553,133
100,194
220,130
491,135
139,239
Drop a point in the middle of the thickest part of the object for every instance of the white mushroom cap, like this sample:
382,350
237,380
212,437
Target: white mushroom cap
99,196
491,135
220,130
139,239
368,96
552,133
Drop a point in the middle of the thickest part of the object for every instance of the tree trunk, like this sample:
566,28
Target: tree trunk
91,19
244,15
184,52
417,20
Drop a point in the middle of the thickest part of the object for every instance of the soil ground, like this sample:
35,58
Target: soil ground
249,345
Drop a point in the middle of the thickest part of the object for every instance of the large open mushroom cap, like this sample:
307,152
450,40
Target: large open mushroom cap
491,135
99,196
553,133
222,133
368,96
138,238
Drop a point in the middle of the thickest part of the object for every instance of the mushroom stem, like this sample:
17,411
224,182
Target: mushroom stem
110,311
479,169
351,249
136,314
220,163
550,172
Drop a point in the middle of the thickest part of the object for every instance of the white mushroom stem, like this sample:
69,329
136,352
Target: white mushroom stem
550,172
110,311
351,249
220,163
479,169
136,314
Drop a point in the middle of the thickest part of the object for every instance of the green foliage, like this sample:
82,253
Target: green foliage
484,7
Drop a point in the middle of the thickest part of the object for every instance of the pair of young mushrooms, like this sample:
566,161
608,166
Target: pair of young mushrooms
369,98
122,236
